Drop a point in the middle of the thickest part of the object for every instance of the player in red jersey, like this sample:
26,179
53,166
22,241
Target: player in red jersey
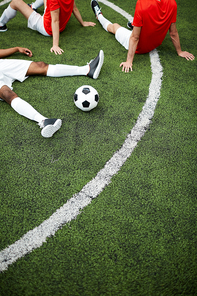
54,20
152,20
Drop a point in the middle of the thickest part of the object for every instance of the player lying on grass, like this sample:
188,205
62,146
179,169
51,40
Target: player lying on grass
54,20
152,20
13,69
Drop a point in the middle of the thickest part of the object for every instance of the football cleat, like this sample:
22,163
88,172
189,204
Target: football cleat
96,8
129,25
50,126
96,65
3,28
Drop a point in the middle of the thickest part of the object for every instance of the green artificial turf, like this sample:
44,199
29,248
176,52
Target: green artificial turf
138,237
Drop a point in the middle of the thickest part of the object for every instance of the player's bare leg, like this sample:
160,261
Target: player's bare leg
11,11
92,69
7,94
37,68
22,7
112,28
106,24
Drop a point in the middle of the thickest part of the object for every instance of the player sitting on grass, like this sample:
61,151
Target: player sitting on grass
54,20
13,69
152,20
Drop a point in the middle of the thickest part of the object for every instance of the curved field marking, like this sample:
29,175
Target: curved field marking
4,2
35,238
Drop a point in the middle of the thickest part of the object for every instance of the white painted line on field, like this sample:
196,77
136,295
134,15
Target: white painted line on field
118,9
35,238
4,2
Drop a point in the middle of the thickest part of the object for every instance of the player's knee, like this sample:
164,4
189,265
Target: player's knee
7,94
114,28
43,67
14,4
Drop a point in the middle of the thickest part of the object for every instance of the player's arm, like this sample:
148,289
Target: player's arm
55,31
79,18
9,51
133,42
176,42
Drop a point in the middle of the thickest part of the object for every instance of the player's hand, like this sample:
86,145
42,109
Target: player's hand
188,56
56,49
25,51
88,24
126,66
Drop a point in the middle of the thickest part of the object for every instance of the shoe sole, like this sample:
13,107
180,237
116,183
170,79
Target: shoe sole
100,64
3,30
50,129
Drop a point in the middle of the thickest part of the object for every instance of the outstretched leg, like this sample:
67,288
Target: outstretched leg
49,126
106,24
122,35
92,69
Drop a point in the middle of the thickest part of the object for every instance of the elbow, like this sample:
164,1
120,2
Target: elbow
56,22
173,33
135,39
74,8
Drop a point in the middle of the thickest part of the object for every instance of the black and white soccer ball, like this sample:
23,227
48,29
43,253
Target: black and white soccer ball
86,97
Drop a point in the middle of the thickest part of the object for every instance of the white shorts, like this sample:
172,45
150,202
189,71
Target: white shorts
122,36
35,22
11,70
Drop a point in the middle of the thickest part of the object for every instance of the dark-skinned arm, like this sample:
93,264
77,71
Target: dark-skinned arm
9,51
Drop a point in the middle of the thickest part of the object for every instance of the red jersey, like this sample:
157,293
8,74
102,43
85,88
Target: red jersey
66,9
154,17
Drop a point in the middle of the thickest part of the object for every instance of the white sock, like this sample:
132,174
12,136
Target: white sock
37,4
7,15
60,70
25,109
103,21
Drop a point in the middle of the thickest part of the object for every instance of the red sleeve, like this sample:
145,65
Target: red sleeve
175,13
137,20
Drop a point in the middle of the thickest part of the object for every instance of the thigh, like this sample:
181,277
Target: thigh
122,36
12,69
21,6
35,22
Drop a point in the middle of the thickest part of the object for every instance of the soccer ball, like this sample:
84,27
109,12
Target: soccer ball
86,97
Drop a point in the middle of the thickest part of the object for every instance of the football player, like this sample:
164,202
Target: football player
13,69
151,22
